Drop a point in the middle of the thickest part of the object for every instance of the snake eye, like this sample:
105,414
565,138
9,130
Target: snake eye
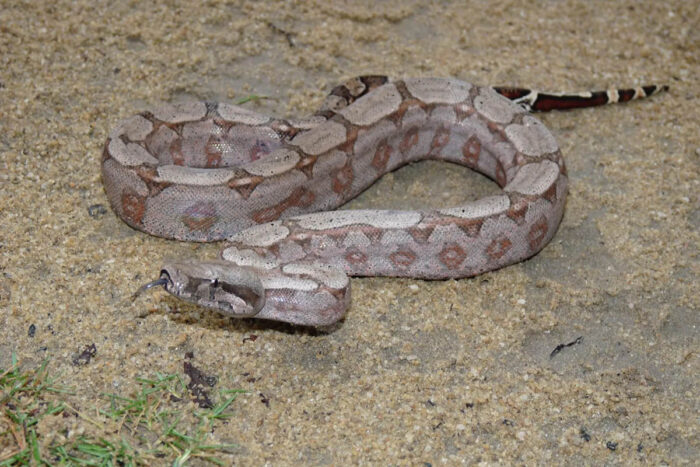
215,282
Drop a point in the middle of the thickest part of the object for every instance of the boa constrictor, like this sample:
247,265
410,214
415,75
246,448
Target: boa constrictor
211,171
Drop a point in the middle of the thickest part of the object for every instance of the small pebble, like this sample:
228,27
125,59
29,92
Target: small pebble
97,210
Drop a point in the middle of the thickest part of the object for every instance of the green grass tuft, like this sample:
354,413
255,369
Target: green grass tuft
250,98
154,425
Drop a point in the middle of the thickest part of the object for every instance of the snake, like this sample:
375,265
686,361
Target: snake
269,187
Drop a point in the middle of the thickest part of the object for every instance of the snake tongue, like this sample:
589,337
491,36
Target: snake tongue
163,280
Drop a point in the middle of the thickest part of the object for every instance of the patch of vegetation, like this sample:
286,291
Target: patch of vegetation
38,427
250,98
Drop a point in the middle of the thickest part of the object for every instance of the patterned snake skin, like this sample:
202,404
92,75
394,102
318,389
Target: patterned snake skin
207,171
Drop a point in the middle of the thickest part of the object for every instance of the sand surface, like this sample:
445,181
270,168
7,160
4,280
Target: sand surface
437,372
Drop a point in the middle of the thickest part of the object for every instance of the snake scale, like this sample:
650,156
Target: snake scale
205,171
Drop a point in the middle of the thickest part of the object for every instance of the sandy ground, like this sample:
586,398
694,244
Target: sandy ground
435,372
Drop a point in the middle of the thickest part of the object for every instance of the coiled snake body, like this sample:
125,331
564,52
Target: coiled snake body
205,171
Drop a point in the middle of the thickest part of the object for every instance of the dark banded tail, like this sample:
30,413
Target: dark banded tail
536,101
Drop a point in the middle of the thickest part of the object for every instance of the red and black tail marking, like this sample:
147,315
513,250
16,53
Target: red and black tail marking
536,101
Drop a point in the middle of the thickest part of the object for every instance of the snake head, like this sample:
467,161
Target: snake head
231,290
